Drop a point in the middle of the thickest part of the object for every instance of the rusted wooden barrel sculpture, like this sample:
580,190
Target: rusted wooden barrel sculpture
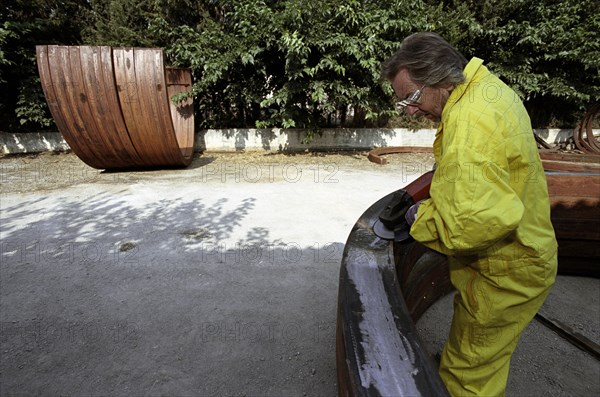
386,286
113,106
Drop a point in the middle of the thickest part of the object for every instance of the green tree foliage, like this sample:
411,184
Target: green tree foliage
298,63
23,25
134,22
293,63
548,50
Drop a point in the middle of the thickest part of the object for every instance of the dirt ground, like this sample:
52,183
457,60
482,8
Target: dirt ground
49,171
219,279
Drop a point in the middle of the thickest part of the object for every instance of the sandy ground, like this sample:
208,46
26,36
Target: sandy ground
215,280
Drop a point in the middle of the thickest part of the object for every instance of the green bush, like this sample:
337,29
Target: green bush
296,63
548,51
23,25
293,63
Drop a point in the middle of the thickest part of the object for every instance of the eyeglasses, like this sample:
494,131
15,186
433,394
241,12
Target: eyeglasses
412,99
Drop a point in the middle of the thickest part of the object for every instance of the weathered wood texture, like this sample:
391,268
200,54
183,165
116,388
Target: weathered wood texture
113,106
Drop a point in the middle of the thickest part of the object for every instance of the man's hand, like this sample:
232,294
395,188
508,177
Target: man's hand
411,213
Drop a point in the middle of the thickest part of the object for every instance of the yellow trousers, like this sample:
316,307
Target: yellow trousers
492,306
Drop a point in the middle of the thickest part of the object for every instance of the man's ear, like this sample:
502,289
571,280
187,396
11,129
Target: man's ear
448,87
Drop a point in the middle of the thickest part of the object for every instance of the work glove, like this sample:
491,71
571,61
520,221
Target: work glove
411,213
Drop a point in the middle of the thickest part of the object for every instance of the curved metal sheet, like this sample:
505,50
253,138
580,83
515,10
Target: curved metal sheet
584,134
59,88
99,83
113,106
179,81
379,352
575,202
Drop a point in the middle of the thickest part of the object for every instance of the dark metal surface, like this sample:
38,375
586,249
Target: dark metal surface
113,106
584,134
385,287
378,349
575,201
569,334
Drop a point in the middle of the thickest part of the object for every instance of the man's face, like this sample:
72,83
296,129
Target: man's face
432,100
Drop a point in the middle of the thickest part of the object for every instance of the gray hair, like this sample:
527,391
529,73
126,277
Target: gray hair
428,59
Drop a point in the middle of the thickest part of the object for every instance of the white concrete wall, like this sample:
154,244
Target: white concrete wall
273,140
277,140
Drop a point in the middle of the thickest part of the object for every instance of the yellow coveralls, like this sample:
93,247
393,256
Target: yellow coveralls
489,212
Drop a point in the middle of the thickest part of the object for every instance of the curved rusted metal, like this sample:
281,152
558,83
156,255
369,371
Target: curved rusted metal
575,201
113,107
552,160
378,349
584,135
386,286
579,163
375,154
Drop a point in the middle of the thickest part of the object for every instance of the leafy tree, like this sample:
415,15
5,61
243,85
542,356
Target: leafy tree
133,22
548,50
23,25
294,63
297,63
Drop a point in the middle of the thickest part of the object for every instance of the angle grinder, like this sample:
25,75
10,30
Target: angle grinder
391,224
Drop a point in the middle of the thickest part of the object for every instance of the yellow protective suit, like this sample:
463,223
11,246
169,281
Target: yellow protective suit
489,212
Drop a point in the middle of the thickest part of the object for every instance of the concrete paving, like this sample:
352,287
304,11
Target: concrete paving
544,364
216,280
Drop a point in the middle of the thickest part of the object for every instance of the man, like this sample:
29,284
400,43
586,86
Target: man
489,210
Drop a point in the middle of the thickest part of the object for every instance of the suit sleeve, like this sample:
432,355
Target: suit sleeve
472,204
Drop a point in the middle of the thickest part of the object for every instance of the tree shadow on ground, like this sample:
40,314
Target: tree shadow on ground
107,295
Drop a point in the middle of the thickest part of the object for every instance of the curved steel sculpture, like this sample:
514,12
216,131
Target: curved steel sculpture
386,286
378,350
583,135
113,107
